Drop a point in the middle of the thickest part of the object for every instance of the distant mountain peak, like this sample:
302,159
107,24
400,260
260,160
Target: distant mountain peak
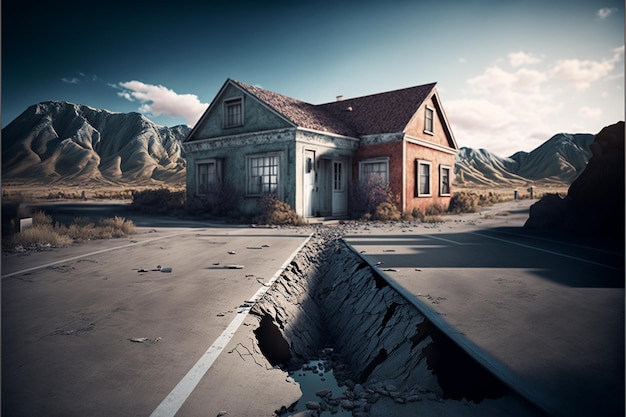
62,141
558,160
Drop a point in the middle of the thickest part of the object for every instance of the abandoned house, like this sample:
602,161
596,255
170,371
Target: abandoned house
251,142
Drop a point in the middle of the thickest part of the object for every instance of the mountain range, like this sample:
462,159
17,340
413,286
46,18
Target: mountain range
73,144
559,160
57,141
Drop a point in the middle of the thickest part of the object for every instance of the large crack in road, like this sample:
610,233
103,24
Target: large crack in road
330,297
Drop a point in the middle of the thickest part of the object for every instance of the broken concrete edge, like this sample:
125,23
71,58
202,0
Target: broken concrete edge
492,365
266,286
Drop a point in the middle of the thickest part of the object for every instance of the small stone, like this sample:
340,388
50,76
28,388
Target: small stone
383,392
390,387
346,405
222,413
358,389
372,398
323,393
312,405
400,400
414,398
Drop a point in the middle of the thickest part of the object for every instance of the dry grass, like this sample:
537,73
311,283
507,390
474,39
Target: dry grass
73,192
44,233
507,192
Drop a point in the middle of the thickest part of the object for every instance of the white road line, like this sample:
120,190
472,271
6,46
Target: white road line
445,240
34,268
560,242
177,397
548,251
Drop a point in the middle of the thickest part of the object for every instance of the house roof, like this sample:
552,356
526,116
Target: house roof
387,112
300,113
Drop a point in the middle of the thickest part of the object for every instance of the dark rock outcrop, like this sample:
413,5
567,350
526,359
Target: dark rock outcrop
594,204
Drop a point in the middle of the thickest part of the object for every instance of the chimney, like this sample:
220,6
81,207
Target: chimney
339,98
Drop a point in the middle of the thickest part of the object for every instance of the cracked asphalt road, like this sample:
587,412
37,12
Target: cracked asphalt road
543,311
95,329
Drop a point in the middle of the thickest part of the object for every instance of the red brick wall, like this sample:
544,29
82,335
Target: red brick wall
436,158
415,127
392,150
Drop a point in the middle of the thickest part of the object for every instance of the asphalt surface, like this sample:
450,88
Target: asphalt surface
543,312
95,330
86,333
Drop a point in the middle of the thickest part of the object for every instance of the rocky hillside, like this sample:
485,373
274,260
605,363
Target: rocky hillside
558,160
58,141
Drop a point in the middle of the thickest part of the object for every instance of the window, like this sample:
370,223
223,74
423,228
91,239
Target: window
444,180
337,176
233,112
422,178
429,116
262,173
208,176
374,171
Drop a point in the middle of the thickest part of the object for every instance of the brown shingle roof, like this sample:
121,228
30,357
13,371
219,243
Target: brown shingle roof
387,112
298,112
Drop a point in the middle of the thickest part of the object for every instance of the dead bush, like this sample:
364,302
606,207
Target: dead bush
386,211
367,195
432,218
158,201
274,211
224,202
373,200
464,202
43,233
37,236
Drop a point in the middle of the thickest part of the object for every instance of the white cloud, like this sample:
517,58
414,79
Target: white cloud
508,110
517,59
126,95
587,112
82,77
158,100
605,12
582,73
73,80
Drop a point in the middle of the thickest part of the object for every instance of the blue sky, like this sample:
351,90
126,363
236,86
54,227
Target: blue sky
510,73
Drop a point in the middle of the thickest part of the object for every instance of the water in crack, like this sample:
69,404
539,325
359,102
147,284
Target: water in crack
314,377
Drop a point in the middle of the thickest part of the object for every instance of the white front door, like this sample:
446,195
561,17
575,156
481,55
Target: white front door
340,194
309,183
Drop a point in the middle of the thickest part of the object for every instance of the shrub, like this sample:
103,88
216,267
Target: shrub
386,211
40,235
41,219
158,201
224,202
432,218
464,202
274,211
368,195
373,200
44,233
